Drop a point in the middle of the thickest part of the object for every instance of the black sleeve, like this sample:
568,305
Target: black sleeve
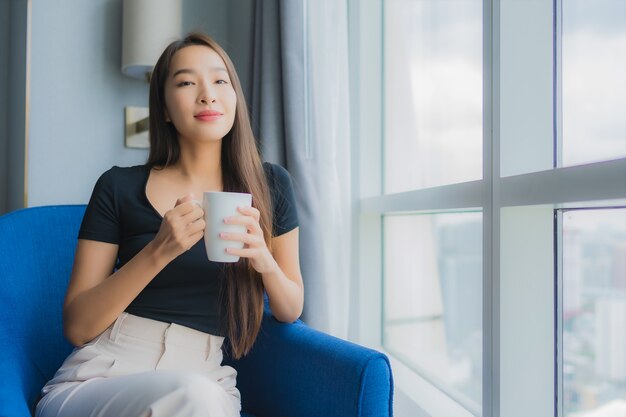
101,220
285,214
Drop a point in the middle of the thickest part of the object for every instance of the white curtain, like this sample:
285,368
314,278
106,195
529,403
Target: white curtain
300,106
329,147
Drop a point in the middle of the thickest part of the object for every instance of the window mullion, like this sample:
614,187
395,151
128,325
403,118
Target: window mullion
491,212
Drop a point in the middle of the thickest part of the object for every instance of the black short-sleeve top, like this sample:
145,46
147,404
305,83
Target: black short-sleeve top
187,290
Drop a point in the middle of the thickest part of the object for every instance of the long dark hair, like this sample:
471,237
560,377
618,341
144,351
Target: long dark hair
242,171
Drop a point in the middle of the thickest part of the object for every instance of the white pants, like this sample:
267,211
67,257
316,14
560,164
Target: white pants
144,368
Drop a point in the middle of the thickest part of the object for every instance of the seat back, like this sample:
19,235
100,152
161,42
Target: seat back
36,254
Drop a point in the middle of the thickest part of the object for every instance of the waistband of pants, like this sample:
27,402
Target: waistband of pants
162,332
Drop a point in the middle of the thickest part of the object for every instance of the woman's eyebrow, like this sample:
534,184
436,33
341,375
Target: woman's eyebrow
183,71
190,71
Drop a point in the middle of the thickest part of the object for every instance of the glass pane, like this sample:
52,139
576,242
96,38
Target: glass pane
594,313
432,307
432,93
594,80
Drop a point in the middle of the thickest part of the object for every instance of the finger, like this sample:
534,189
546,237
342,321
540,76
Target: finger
243,220
195,237
186,208
197,226
246,238
195,213
244,253
184,199
250,211
176,213
251,224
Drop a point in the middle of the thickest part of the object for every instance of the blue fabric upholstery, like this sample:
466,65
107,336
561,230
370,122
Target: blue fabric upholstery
293,370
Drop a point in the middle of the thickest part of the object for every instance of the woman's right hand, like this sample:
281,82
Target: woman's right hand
181,228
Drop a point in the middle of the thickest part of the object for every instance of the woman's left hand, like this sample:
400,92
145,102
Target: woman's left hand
255,248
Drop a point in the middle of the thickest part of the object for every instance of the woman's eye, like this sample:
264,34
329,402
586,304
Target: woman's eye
184,83
221,82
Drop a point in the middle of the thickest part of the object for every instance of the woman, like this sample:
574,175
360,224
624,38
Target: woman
146,308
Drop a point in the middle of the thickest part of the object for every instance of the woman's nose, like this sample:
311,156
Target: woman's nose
206,96
205,99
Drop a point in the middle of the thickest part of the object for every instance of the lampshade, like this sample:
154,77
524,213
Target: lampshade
148,27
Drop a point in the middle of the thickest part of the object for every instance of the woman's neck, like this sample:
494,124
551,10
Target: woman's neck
201,165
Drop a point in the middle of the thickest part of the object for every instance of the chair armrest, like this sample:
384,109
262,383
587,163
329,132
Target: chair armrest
296,371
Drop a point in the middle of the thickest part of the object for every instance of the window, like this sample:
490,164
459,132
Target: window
476,125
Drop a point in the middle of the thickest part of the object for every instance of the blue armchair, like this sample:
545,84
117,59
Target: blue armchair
292,371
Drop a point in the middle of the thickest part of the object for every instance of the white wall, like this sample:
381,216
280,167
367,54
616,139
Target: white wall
78,93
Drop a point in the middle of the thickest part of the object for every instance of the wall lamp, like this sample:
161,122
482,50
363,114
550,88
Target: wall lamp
148,27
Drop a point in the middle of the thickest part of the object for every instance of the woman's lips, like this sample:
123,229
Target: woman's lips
208,115
209,118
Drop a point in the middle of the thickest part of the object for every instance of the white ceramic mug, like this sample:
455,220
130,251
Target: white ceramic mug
217,206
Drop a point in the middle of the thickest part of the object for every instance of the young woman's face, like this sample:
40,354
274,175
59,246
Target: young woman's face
199,97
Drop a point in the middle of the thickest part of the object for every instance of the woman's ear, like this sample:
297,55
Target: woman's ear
167,116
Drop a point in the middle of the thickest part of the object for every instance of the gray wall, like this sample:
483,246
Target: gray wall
78,93
208,16
16,104
4,84
77,97
240,40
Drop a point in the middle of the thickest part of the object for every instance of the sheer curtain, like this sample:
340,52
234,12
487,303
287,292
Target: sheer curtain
300,109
